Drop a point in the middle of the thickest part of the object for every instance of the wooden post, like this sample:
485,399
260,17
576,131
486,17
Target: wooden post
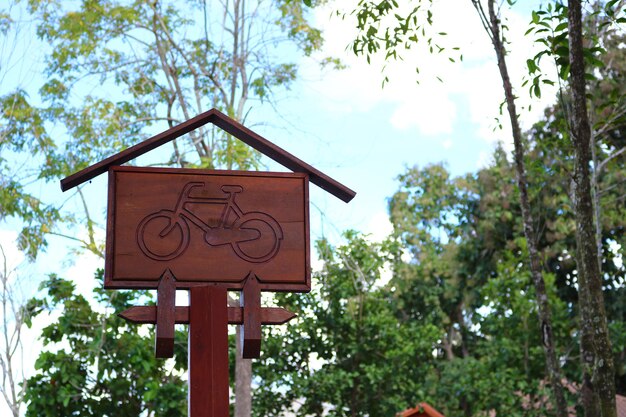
250,331
208,352
166,311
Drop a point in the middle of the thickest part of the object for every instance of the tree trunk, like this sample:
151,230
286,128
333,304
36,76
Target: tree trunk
593,315
243,381
543,304
589,398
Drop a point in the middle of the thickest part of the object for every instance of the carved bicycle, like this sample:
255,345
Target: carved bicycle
254,236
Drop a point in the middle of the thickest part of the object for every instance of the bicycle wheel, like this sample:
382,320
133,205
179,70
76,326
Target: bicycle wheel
163,237
264,247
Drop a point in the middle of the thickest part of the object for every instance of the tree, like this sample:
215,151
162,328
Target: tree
96,364
11,348
493,27
14,201
158,67
459,297
347,355
405,33
572,55
454,320
599,361
466,256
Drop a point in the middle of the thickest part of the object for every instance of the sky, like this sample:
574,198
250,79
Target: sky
349,127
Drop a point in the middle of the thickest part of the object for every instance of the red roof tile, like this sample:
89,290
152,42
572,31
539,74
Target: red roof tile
423,410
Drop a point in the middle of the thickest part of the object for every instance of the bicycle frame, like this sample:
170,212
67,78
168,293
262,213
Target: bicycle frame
185,198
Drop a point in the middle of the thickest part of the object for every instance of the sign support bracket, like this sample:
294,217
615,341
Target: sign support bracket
250,332
166,316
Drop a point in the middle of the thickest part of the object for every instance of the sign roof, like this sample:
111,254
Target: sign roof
227,124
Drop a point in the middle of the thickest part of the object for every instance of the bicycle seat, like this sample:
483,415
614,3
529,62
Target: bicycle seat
231,189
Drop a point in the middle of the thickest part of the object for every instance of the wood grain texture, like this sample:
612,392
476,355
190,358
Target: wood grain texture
147,315
166,304
208,352
251,328
207,226
227,124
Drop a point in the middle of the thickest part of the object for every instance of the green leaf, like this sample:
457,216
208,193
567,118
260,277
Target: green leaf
564,72
535,17
41,362
560,27
589,76
562,51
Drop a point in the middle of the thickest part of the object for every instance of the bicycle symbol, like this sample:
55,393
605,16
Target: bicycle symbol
253,236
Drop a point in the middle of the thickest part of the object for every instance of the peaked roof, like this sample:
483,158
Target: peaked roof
228,125
421,410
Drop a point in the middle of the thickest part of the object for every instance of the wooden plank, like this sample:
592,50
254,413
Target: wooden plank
147,315
251,328
186,285
207,226
229,125
109,259
208,352
166,304
133,152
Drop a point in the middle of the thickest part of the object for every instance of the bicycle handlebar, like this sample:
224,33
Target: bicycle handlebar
232,189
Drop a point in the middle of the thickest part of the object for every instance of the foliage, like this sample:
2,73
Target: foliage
347,355
442,311
393,29
96,364
121,70
456,324
549,26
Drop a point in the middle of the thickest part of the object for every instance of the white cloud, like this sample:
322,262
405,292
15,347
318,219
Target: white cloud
82,271
484,159
12,255
379,226
431,112
473,87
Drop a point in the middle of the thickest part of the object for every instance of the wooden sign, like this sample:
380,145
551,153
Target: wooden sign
209,232
207,226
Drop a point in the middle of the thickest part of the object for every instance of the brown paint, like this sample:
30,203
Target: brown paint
166,305
250,332
207,227
421,410
148,314
227,124
208,352
209,232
